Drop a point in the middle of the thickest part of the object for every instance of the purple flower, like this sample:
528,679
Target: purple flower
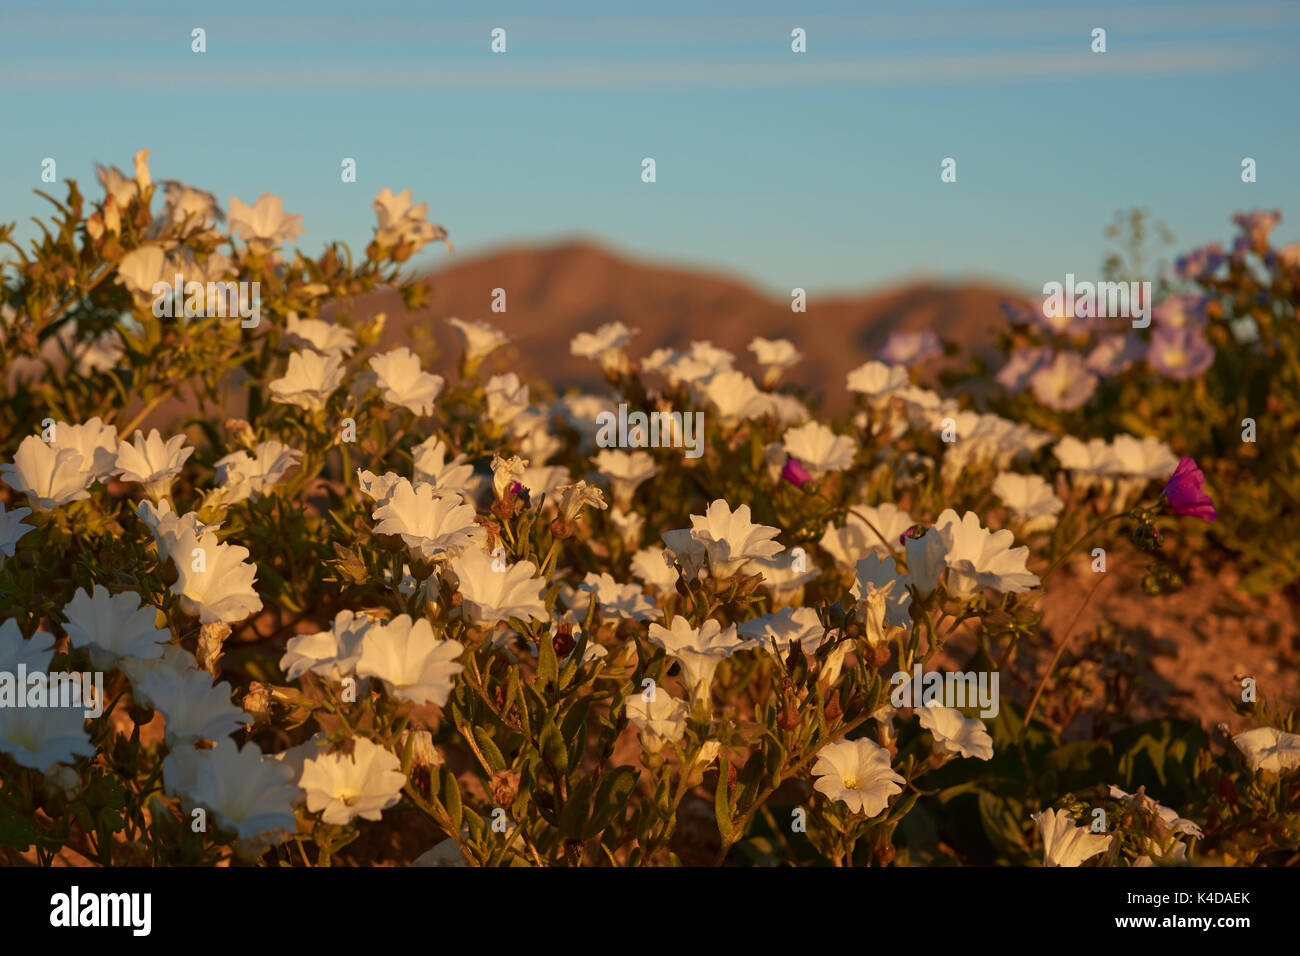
1186,492
1065,384
909,348
1257,225
1116,354
1200,263
795,473
1021,366
1017,314
1180,354
517,490
1180,312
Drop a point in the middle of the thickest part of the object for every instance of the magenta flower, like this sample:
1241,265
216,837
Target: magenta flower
1186,492
795,473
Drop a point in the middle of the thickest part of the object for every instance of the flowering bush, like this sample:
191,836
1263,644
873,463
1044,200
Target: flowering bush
343,608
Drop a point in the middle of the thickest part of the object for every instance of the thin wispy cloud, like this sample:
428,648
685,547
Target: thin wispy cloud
595,76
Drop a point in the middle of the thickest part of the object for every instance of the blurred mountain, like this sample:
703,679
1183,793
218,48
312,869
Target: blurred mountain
555,291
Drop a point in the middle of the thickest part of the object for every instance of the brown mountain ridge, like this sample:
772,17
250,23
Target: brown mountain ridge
555,291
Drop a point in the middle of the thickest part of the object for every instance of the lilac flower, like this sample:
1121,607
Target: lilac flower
1065,384
795,473
1256,225
1021,366
1116,354
1180,312
1200,263
1180,354
1017,314
1186,492
910,348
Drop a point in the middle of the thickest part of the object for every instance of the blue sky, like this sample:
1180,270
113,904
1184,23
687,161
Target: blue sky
818,170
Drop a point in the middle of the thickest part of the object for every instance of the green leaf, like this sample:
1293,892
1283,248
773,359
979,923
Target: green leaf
16,830
551,743
451,798
721,799
547,665
1003,819
486,744
612,796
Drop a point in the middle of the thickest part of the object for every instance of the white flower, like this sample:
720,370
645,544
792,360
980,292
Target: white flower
626,471
505,474
573,498
927,559
616,601
95,441
488,595
1064,843
152,462
819,449
685,552
403,383
319,336
1088,464
882,595
242,476
546,482
786,409
194,708
194,208
264,223
378,488
1147,459
479,338
309,381
1269,749
866,529
433,526
37,737
167,526
981,559
49,477
433,468
784,577
507,398
857,773
735,396
606,345
248,794
213,582
731,539
956,734
401,222
362,784
774,355
1030,499
1168,815
332,654
142,268
660,720
113,627
11,530
786,627
443,853
411,663
878,381
651,566
34,653
699,650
